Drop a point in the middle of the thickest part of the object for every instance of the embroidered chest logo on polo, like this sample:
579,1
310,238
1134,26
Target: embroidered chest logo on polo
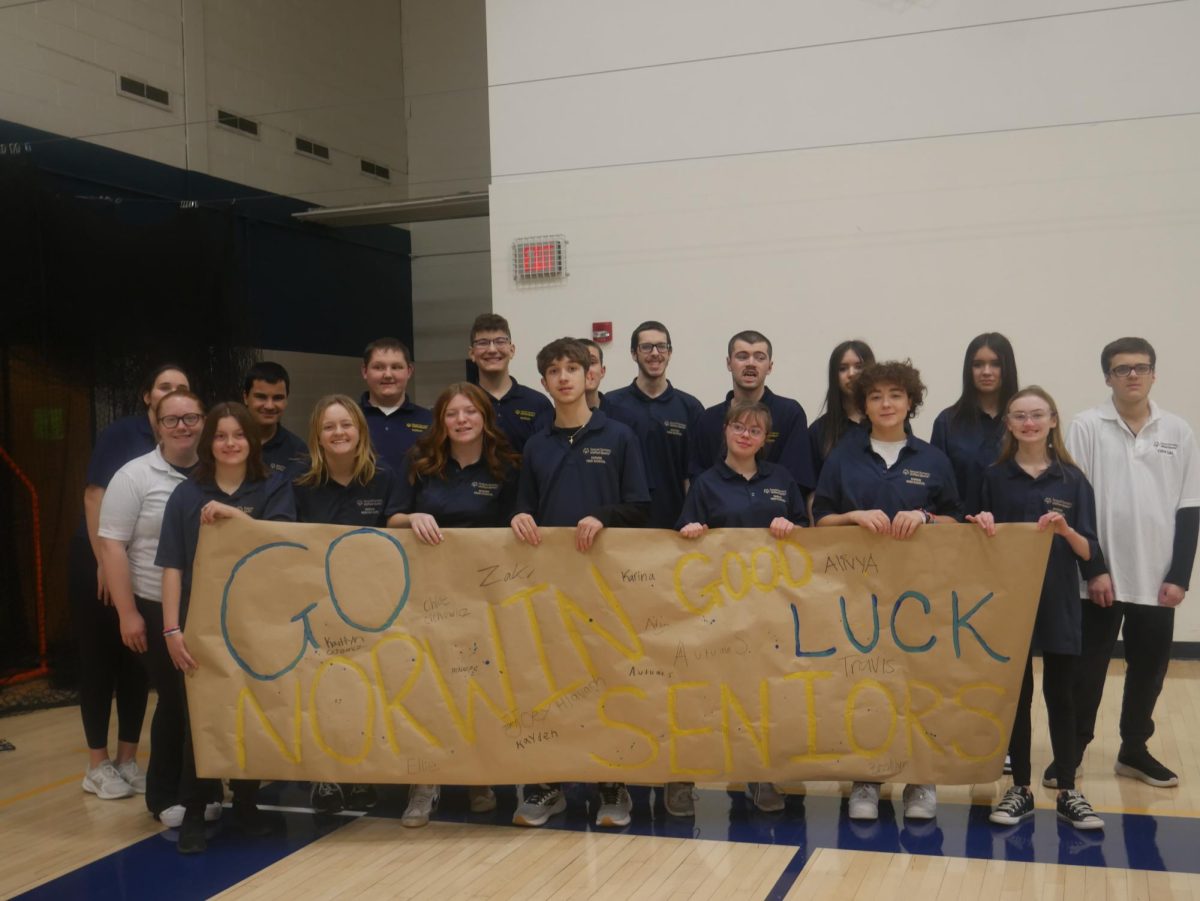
485,489
1057,505
1166,448
916,477
369,505
675,429
779,495
277,467
417,426
596,454
772,437
525,415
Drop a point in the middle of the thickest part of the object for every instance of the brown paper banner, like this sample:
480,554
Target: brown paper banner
338,654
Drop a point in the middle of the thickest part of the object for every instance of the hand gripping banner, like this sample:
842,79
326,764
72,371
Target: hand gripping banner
361,655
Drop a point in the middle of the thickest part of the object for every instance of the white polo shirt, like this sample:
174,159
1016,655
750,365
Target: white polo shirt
132,512
1140,482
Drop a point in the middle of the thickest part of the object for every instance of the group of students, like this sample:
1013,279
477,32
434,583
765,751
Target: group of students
498,453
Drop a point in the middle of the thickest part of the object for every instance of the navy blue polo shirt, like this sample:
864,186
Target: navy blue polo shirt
972,447
563,481
355,504
521,413
787,444
286,453
672,417
468,496
126,439
721,498
816,437
393,435
270,498
856,478
1013,495
649,439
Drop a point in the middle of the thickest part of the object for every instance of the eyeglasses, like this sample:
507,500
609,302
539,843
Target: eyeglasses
1035,416
647,348
188,419
485,343
1124,372
740,428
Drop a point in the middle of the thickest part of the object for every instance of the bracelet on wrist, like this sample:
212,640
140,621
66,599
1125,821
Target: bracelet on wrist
169,632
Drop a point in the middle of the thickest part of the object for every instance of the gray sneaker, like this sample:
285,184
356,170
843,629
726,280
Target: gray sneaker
481,798
766,796
680,799
422,801
864,801
615,804
920,802
132,773
538,804
106,783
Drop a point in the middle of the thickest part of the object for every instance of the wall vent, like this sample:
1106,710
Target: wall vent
312,148
375,170
140,90
237,123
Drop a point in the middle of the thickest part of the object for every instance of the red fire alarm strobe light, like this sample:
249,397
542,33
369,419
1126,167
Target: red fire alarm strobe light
602,332
539,259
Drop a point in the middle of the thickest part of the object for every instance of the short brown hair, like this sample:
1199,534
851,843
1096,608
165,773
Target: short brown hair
387,344
490,322
1126,346
901,373
571,349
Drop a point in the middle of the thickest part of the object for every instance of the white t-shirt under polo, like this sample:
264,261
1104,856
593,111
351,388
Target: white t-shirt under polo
132,512
1140,482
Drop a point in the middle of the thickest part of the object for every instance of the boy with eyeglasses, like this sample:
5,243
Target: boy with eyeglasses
750,361
1144,466
265,393
672,414
520,411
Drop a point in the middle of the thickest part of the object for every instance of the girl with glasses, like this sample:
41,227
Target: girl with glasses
743,491
1035,480
107,665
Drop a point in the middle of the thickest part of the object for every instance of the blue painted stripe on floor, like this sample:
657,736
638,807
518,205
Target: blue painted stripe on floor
152,868
788,877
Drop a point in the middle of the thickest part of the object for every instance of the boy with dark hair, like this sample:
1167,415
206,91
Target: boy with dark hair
1145,468
395,422
673,415
750,362
583,470
265,392
520,411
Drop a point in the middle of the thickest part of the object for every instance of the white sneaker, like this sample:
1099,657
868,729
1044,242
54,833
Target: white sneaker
172,817
422,801
766,796
615,805
132,773
920,802
864,801
106,783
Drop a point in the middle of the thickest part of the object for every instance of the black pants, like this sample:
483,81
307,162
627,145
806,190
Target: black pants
1149,630
106,666
1058,671
166,728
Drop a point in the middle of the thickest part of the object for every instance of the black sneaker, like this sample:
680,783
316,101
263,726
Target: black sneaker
327,797
250,820
1015,806
1074,808
362,797
1142,765
192,839
1050,777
